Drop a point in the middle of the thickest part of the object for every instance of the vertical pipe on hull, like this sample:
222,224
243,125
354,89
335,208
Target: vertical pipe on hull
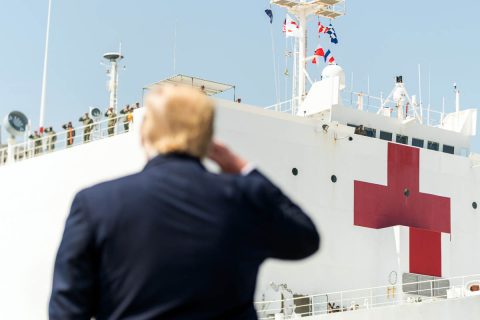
457,100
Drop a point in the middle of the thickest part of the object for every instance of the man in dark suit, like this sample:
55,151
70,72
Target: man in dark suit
175,241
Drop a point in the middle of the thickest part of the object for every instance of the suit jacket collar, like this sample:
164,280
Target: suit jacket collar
173,157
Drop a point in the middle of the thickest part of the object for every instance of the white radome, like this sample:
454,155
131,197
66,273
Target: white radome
332,71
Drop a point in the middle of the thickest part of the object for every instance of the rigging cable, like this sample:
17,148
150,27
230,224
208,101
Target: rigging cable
286,73
277,98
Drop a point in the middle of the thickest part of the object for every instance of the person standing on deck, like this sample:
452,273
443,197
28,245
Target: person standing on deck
69,134
112,121
37,143
51,139
128,112
87,127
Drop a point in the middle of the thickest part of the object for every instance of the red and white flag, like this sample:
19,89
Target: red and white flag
322,28
290,27
327,56
318,53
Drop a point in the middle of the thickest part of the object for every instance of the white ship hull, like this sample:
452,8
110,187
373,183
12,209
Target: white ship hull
36,195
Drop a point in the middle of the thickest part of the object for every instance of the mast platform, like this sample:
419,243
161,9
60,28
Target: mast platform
330,9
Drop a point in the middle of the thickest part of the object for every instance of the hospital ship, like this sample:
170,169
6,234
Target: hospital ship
393,187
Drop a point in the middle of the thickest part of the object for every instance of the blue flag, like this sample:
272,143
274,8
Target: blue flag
270,15
327,55
333,34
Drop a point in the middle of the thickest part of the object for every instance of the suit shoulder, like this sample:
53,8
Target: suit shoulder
255,181
111,186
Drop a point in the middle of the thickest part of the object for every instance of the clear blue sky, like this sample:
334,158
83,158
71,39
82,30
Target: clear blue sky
226,41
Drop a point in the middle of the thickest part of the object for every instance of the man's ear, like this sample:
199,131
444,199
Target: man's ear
144,140
149,149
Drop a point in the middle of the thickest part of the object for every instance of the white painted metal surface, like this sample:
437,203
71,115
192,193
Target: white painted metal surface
33,212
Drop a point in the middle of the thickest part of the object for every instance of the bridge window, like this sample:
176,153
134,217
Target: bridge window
448,149
372,133
402,139
386,135
417,142
433,145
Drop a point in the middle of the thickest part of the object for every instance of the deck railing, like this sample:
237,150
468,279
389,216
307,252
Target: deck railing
61,140
368,103
375,104
283,107
345,301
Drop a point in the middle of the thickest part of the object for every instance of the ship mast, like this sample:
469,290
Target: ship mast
302,10
113,58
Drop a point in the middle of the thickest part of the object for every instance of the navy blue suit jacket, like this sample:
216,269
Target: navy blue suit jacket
174,242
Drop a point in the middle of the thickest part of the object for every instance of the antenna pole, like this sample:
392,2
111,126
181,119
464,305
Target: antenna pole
175,49
443,110
420,90
45,69
368,84
302,56
457,99
429,97
429,88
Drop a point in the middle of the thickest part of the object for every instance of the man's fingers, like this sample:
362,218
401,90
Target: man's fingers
217,150
228,161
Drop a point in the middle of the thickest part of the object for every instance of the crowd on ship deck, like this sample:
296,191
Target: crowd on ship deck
46,141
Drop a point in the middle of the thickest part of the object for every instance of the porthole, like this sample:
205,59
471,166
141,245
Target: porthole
295,171
350,138
333,178
406,192
474,205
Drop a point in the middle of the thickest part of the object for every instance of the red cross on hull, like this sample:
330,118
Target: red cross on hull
401,203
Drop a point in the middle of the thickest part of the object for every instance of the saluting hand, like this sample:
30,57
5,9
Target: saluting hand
228,161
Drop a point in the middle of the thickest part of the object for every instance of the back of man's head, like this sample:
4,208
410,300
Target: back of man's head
178,119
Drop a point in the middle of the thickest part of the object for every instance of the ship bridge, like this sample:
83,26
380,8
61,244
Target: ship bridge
397,117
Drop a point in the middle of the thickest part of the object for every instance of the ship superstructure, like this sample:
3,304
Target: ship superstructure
392,187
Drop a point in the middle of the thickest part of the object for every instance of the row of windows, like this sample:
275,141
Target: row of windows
388,136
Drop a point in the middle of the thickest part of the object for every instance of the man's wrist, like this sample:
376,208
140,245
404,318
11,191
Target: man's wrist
247,169
237,164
